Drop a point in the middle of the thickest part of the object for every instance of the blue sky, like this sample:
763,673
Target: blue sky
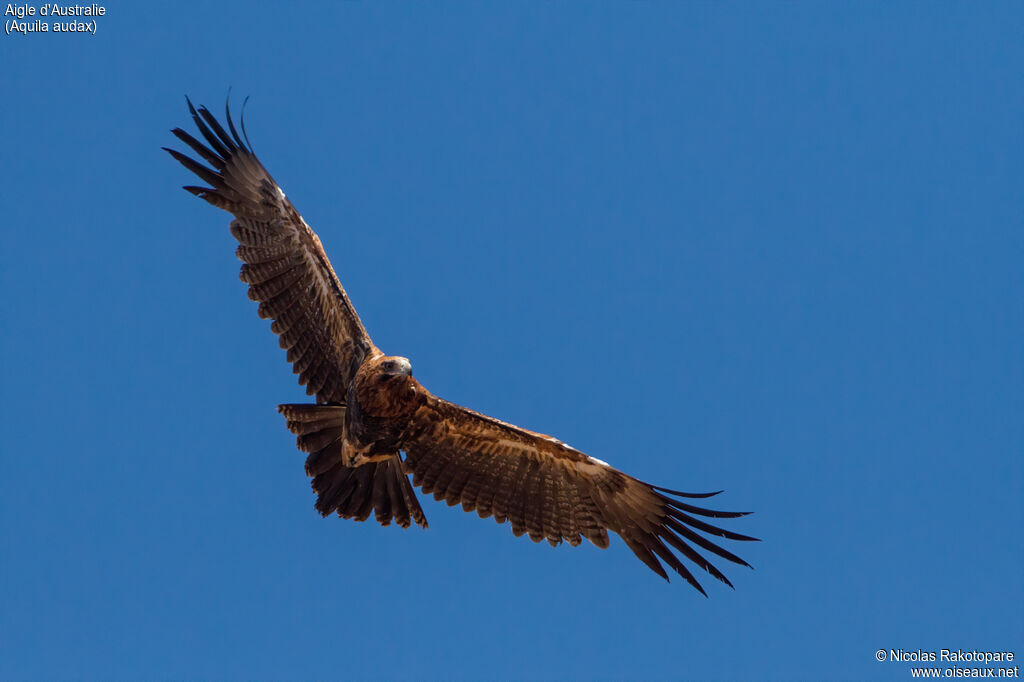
770,248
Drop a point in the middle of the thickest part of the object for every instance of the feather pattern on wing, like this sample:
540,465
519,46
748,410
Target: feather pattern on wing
552,491
285,266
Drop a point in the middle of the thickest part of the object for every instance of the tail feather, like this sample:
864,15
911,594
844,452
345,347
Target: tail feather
381,487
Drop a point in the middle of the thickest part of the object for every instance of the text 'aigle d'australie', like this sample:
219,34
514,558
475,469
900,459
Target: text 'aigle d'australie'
66,17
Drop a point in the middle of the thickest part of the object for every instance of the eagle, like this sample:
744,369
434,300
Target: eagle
369,409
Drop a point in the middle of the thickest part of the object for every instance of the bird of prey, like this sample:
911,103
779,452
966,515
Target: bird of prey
369,409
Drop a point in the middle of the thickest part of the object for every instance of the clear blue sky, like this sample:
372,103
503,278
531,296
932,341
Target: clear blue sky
770,248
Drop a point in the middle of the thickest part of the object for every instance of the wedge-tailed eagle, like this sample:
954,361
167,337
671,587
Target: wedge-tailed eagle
369,409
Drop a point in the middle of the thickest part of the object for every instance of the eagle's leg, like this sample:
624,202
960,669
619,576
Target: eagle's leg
352,456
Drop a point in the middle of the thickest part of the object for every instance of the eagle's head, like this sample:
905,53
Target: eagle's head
385,387
395,366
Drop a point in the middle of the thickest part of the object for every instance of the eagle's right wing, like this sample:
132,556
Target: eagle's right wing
285,265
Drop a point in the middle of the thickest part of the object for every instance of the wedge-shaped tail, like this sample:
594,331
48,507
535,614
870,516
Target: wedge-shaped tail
353,492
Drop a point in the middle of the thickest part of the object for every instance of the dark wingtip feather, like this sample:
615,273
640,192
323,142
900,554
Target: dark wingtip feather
207,133
201,149
701,541
207,174
242,121
695,496
211,120
231,123
701,511
192,110
708,528
696,584
656,544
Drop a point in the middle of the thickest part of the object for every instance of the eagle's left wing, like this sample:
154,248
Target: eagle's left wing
555,492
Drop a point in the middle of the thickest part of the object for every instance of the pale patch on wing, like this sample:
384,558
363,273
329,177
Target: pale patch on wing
558,442
591,466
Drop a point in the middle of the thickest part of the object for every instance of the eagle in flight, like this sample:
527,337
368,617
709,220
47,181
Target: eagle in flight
369,408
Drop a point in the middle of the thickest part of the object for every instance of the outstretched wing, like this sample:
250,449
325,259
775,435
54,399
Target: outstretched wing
285,265
552,491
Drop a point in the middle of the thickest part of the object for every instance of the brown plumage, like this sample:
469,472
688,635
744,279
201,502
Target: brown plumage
369,408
